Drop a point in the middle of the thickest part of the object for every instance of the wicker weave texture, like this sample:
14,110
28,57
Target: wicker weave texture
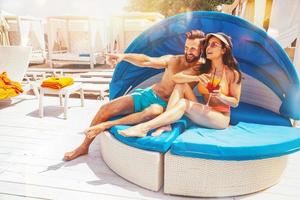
144,168
214,178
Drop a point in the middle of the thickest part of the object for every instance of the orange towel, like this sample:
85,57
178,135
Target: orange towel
57,83
9,88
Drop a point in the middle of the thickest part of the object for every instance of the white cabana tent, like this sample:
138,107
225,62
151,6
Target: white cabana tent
285,26
280,18
124,28
4,27
77,39
28,31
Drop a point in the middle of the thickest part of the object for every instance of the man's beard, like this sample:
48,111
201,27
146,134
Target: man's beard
193,59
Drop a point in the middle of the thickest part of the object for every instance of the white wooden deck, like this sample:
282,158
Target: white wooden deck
31,166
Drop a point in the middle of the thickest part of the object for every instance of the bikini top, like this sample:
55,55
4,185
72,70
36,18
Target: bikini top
214,84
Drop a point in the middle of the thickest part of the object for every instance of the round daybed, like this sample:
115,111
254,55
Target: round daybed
190,160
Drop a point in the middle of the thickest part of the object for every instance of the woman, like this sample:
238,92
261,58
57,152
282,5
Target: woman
219,84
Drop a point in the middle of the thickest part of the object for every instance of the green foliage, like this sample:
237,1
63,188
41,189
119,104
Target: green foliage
173,7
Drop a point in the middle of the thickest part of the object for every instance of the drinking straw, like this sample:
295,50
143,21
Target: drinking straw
213,78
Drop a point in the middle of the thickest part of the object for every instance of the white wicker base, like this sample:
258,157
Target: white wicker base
214,178
144,168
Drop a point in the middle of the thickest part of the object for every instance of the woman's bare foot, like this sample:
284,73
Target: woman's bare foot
134,131
79,151
160,130
93,131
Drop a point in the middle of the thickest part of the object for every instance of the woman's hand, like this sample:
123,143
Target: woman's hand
216,94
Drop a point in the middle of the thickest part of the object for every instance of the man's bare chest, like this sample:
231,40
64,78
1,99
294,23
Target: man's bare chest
176,69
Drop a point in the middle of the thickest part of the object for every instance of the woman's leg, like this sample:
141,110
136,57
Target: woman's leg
197,112
180,91
200,113
207,117
168,117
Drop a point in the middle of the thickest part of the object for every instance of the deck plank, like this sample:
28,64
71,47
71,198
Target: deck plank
31,166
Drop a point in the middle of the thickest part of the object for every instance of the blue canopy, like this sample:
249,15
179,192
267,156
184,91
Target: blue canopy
258,55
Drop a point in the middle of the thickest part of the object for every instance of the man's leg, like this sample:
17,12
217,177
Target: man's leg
172,114
147,114
119,106
168,117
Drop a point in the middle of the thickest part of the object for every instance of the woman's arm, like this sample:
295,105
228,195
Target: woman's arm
229,100
234,91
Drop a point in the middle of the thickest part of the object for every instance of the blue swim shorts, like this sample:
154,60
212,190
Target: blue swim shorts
143,98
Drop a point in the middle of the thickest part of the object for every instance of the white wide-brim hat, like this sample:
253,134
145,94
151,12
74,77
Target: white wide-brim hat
221,36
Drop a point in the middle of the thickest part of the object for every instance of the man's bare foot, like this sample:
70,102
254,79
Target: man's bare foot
93,131
160,130
134,131
79,151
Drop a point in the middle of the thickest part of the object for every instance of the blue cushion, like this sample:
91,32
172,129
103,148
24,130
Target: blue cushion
159,144
245,141
254,114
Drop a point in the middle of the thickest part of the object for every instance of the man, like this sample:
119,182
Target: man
148,103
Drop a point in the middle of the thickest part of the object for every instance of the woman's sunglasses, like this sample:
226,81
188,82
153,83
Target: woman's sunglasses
213,44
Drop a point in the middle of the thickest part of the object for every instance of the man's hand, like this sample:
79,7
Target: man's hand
204,79
201,61
114,59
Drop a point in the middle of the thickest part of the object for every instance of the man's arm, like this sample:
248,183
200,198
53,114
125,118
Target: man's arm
187,76
141,60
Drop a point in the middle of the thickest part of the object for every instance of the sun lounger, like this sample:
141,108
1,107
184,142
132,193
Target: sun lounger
104,74
96,80
14,60
52,72
247,157
100,89
35,75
